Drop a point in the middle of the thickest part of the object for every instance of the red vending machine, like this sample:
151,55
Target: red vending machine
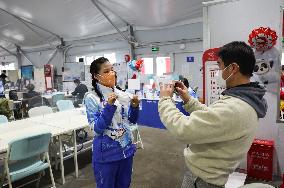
48,77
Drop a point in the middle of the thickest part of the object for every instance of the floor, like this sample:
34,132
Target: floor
159,165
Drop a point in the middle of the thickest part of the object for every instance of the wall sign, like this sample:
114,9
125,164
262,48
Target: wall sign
190,59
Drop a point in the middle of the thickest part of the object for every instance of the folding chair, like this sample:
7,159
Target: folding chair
41,110
63,105
27,156
3,119
57,97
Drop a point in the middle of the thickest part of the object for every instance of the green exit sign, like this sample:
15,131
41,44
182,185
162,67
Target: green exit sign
155,49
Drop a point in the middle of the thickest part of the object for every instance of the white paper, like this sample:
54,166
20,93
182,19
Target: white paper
48,82
166,79
134,84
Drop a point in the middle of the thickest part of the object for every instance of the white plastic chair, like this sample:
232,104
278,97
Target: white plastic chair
256,185
136,134
38,111
63,105
3,119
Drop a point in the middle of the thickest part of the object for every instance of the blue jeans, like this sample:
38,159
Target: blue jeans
113,174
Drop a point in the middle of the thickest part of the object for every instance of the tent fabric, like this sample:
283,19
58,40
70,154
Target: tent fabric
77,19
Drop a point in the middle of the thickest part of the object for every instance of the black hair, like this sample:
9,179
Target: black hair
95,69
241,53
185,82
77,81
30,87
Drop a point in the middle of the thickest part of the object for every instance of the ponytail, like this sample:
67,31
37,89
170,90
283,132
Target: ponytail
96,89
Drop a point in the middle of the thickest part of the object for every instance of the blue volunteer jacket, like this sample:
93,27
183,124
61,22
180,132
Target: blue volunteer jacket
111,125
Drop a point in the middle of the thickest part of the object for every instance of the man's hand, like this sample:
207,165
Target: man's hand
183,91
166,90
135,101
112,98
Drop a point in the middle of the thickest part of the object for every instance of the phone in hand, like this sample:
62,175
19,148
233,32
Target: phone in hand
175,90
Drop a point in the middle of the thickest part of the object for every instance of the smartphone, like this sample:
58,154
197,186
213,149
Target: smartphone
175,90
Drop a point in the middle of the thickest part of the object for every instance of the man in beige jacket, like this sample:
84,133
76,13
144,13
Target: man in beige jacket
220,134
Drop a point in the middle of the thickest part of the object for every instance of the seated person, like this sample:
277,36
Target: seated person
79,91
1,89
33,99
3,77
17,107
31,93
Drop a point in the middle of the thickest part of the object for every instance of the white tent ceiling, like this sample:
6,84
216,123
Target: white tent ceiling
76,19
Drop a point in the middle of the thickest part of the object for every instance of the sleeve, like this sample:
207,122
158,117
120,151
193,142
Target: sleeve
202,126
98,119
74,93
133,114
194,105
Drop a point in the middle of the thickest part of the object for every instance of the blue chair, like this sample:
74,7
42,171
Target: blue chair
63,105
57,97
3,119
26,156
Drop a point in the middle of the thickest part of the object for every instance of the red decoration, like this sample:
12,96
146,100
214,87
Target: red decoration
262,39
282,95
139,64
127,58
260,159
134,76
210,55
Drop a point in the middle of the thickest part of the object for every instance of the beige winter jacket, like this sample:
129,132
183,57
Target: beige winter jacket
219,135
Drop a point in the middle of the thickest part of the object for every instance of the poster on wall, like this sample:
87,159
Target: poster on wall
39,80
27,72
73,71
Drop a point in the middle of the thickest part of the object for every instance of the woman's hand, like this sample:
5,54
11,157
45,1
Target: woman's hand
135,101
112,98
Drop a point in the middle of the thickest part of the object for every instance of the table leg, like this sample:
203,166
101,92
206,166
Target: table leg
61,160
75,155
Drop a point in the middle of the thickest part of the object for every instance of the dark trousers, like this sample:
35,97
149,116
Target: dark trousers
114,174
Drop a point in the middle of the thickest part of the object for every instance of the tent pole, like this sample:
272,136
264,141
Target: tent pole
105,15
23,20
8,51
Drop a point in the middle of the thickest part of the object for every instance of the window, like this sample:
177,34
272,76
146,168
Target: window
7,66
148,66
89,60
163,65
111,57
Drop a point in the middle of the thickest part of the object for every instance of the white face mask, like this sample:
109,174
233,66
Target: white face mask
219,78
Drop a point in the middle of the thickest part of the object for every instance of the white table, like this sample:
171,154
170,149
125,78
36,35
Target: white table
66,121
56,123
49,95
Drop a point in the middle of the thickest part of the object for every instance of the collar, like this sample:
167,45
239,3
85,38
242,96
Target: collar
105,90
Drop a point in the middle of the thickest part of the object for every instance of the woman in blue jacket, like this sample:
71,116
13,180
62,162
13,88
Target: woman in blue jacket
110,116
